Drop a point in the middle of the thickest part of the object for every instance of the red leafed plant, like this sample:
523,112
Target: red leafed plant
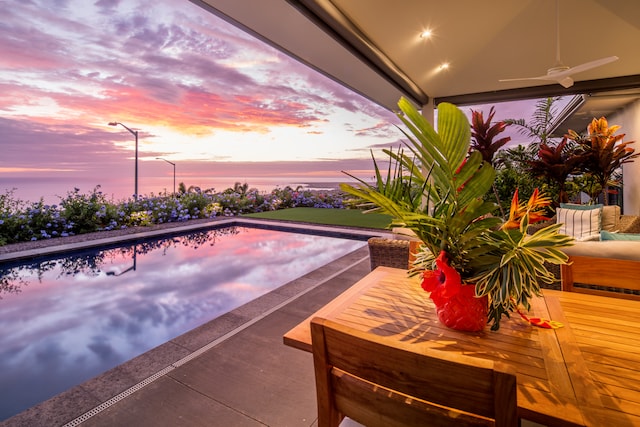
556,163
483,133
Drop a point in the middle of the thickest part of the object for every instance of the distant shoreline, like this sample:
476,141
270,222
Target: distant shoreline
30,190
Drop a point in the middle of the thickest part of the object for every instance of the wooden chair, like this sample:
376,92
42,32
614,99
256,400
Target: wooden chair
612,276
382,383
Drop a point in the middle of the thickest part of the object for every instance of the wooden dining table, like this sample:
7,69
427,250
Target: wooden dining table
584,373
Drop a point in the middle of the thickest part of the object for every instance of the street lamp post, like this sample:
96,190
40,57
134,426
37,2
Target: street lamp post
174,173
134,133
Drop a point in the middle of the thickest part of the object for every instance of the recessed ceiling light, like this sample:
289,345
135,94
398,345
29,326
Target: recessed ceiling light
443,66
426,34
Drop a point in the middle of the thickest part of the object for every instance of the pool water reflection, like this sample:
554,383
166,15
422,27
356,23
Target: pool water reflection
67,320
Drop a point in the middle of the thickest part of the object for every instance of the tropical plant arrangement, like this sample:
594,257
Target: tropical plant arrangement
483,133
580,162
467,255
540,126
602,153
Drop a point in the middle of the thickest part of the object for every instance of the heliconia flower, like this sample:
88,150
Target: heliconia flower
443,282
534,207
514,213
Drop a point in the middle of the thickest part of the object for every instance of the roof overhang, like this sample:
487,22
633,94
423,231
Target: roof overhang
371,46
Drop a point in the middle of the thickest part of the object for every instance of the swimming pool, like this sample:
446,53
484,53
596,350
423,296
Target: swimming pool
67,319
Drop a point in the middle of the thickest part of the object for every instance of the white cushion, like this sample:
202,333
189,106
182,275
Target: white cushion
616,249
580,224
403,233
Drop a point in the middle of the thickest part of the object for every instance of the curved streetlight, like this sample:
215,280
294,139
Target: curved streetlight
174,173
134,133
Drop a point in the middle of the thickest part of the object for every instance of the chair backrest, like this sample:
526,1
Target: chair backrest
388,252
379,382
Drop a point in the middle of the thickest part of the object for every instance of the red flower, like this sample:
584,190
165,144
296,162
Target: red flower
444,282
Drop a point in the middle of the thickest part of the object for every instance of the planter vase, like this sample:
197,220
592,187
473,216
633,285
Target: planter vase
463,311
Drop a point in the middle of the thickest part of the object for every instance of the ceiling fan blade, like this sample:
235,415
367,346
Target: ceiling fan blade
523,78
589,65
564,77
560,78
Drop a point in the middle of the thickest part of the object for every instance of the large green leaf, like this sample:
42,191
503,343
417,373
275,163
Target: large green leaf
455,134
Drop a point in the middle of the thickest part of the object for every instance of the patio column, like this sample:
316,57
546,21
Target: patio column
629,120
428,111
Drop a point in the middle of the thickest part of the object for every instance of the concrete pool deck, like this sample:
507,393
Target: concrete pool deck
232,371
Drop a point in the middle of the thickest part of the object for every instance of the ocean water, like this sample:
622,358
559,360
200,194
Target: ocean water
52,189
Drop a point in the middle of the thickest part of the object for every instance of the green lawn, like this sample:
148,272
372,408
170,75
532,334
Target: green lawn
345,217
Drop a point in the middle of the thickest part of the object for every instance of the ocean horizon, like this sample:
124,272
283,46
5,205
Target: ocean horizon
51,189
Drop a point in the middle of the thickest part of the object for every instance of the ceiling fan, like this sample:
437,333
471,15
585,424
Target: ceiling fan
561,73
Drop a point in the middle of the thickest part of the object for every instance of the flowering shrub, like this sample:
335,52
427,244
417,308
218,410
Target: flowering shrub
88,213
80,213
290,198
21,221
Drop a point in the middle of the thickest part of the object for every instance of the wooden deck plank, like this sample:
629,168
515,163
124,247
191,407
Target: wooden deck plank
581,381
605,334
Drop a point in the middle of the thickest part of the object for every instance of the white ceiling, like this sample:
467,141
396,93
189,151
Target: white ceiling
483,41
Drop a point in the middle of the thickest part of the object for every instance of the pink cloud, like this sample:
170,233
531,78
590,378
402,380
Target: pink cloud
173,65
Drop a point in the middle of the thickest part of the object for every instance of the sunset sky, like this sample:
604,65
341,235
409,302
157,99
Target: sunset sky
219,103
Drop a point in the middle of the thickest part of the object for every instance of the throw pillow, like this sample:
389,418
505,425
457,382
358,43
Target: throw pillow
607,235
579,223
581,207
610,218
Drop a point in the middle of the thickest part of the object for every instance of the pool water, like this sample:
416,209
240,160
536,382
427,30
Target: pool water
65,320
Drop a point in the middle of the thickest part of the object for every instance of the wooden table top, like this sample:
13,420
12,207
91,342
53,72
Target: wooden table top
581,374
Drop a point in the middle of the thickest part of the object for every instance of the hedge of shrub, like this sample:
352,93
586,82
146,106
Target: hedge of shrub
79,213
